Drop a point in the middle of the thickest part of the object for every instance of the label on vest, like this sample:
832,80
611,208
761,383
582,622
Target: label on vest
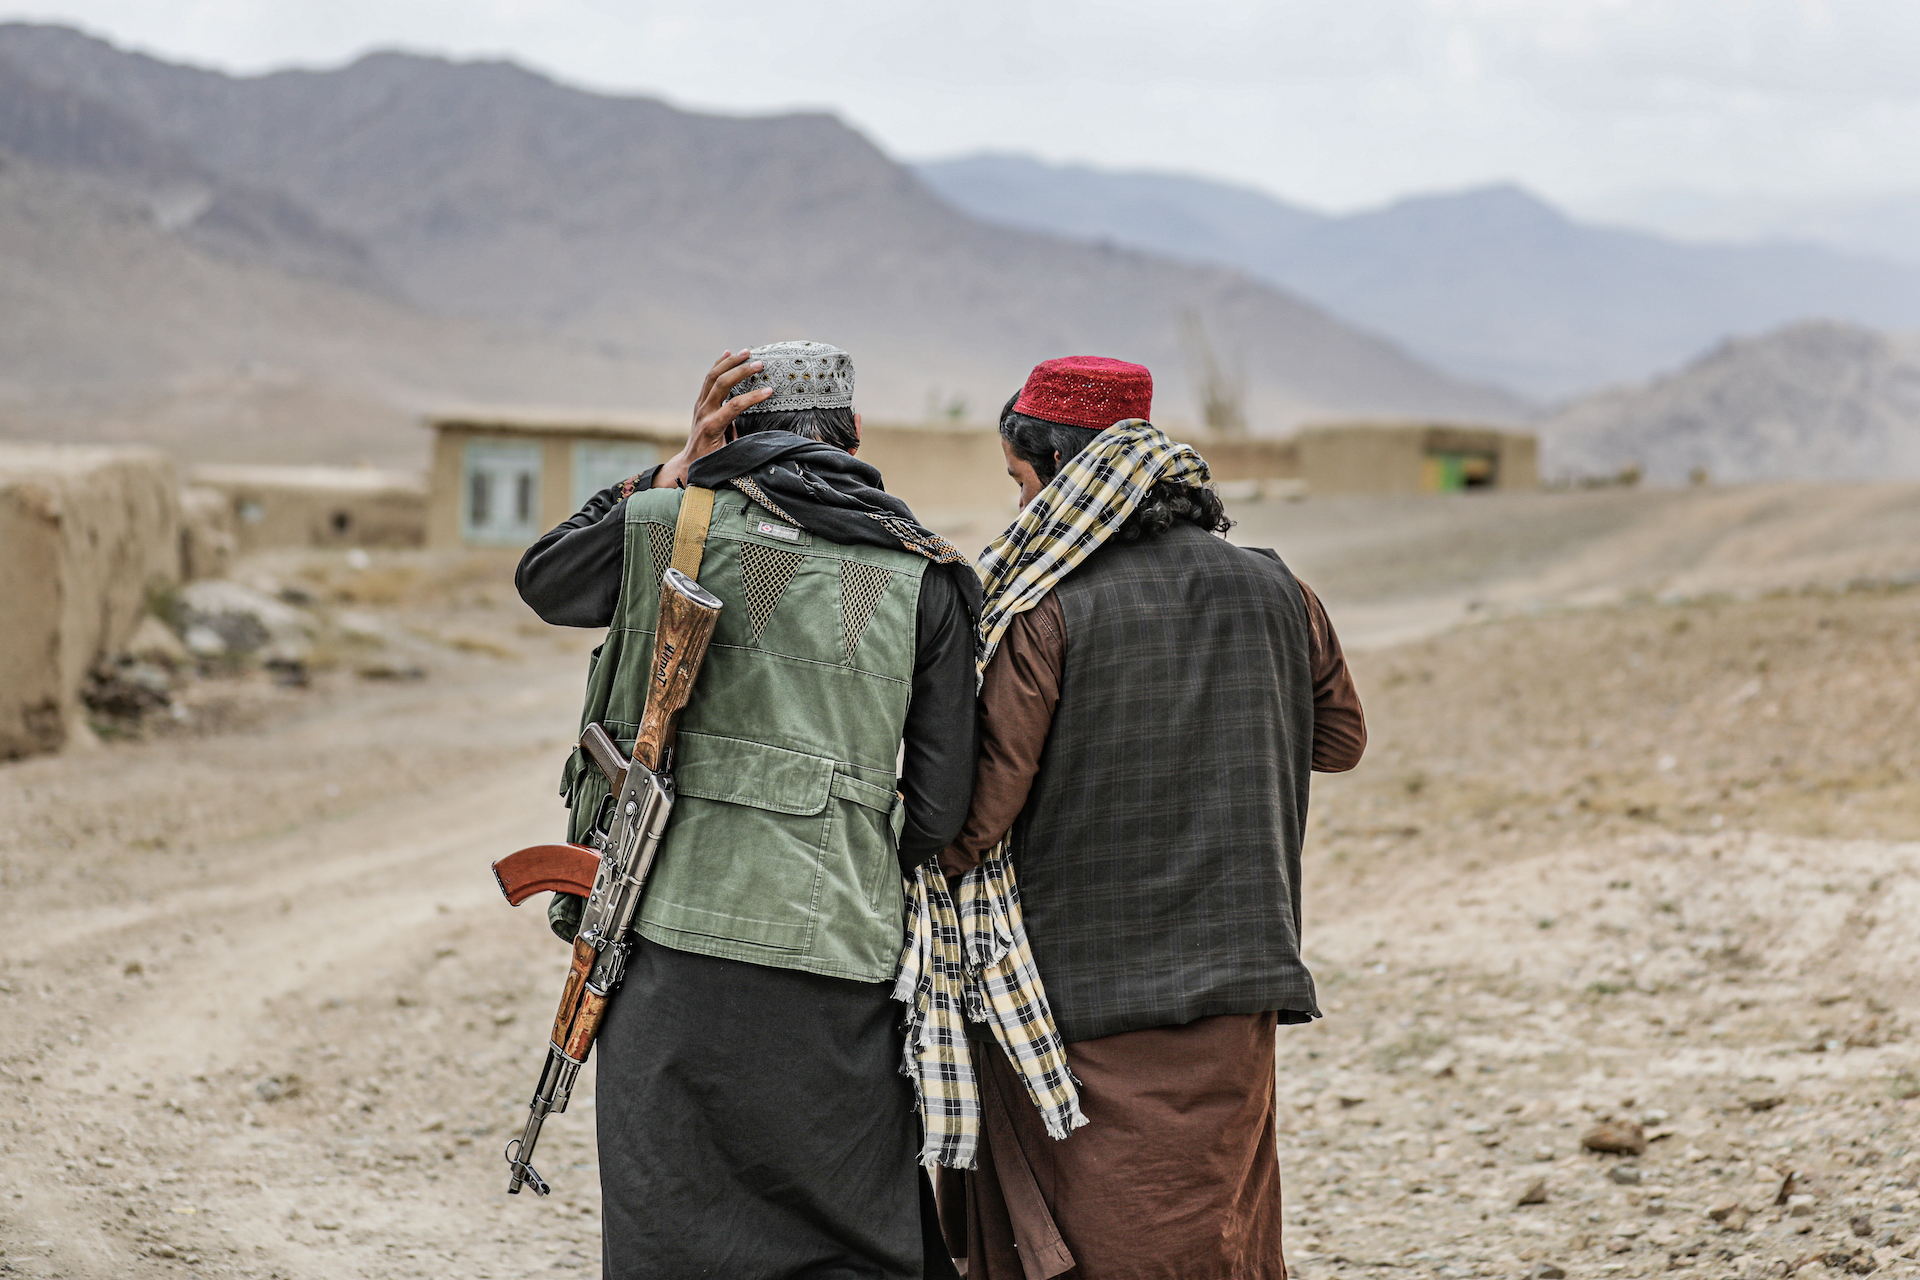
771,530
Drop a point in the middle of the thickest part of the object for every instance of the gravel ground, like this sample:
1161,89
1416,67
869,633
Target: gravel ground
262,1013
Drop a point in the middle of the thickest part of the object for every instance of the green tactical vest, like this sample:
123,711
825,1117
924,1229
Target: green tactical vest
781,848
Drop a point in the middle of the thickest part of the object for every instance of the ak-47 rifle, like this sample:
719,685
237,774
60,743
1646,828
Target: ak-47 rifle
613,872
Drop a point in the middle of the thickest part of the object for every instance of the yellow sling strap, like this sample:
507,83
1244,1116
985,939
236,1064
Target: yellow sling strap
690,533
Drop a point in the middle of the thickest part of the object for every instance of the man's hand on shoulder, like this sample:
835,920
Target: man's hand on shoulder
713,414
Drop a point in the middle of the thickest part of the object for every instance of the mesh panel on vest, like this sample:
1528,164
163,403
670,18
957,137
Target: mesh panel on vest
861,586
765,572
661,538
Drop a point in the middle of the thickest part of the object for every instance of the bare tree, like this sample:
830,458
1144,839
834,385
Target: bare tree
1222,393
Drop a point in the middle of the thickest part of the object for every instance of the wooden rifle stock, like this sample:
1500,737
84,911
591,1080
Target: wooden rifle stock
679,647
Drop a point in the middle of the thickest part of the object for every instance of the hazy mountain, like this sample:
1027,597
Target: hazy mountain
1492,284
649,238
145,297
1811,401
1884,226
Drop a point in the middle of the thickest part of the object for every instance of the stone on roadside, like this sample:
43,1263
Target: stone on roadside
1535,1192
1799,1206
1862,1225
218,617
1721,1210
1626,1175
153,642
1547,1271
1616,1137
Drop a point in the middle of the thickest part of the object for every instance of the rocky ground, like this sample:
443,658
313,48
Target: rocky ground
263,1014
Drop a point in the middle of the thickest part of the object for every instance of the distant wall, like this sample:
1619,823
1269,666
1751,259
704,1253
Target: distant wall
1409,458
1240,460
85,534
941,472
320,506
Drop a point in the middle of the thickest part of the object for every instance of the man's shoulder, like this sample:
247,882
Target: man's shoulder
654,504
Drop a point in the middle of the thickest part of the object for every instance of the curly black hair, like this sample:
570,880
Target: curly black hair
1035,441
828,426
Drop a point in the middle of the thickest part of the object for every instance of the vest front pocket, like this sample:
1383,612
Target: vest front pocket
742,856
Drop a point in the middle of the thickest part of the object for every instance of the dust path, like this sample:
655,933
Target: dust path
262,1013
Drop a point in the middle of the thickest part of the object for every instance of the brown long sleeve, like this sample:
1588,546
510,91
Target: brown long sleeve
1021,688
1339,723
1018,693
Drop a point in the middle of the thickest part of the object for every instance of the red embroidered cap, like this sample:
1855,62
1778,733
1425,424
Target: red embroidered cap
1087,391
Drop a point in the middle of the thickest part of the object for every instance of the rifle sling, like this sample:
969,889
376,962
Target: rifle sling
690,532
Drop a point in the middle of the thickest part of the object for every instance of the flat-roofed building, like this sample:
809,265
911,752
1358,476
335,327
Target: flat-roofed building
273,506
503,479
1404,457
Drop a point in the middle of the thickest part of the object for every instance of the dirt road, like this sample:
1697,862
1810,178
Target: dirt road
263,1014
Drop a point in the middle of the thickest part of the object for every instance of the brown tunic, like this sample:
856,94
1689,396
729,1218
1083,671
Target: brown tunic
1175,1174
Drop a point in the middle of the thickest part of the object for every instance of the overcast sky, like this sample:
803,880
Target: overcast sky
1335,103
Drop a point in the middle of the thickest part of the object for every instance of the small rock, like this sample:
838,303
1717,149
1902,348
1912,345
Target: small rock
153,642
1862,1225
1722,1210
204,642
1348,1100
1619,1246
392,671
1616,1137
1543,1154
133,968
275,1088
1625,1174
1534,1193
327,1226
1799,1206
1766,1103
435,1125
1547,1271
503,1017
163,1251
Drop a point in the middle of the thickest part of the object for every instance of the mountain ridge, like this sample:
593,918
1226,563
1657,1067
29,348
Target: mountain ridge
648,236
1816,400
1490,283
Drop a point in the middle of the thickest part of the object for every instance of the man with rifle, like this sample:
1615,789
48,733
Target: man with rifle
752,1118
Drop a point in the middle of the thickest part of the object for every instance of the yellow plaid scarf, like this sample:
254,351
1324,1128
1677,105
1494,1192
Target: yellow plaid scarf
1067,521
971,961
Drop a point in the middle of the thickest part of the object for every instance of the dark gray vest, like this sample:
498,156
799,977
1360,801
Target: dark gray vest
1159,852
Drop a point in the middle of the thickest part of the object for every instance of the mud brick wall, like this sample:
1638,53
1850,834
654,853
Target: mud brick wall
85,534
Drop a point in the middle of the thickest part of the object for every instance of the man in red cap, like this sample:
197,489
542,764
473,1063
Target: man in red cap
1153,701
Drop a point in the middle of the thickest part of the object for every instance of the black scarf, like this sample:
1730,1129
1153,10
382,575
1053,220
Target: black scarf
829,493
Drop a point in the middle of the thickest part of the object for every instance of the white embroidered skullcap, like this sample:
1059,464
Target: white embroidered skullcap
803,375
